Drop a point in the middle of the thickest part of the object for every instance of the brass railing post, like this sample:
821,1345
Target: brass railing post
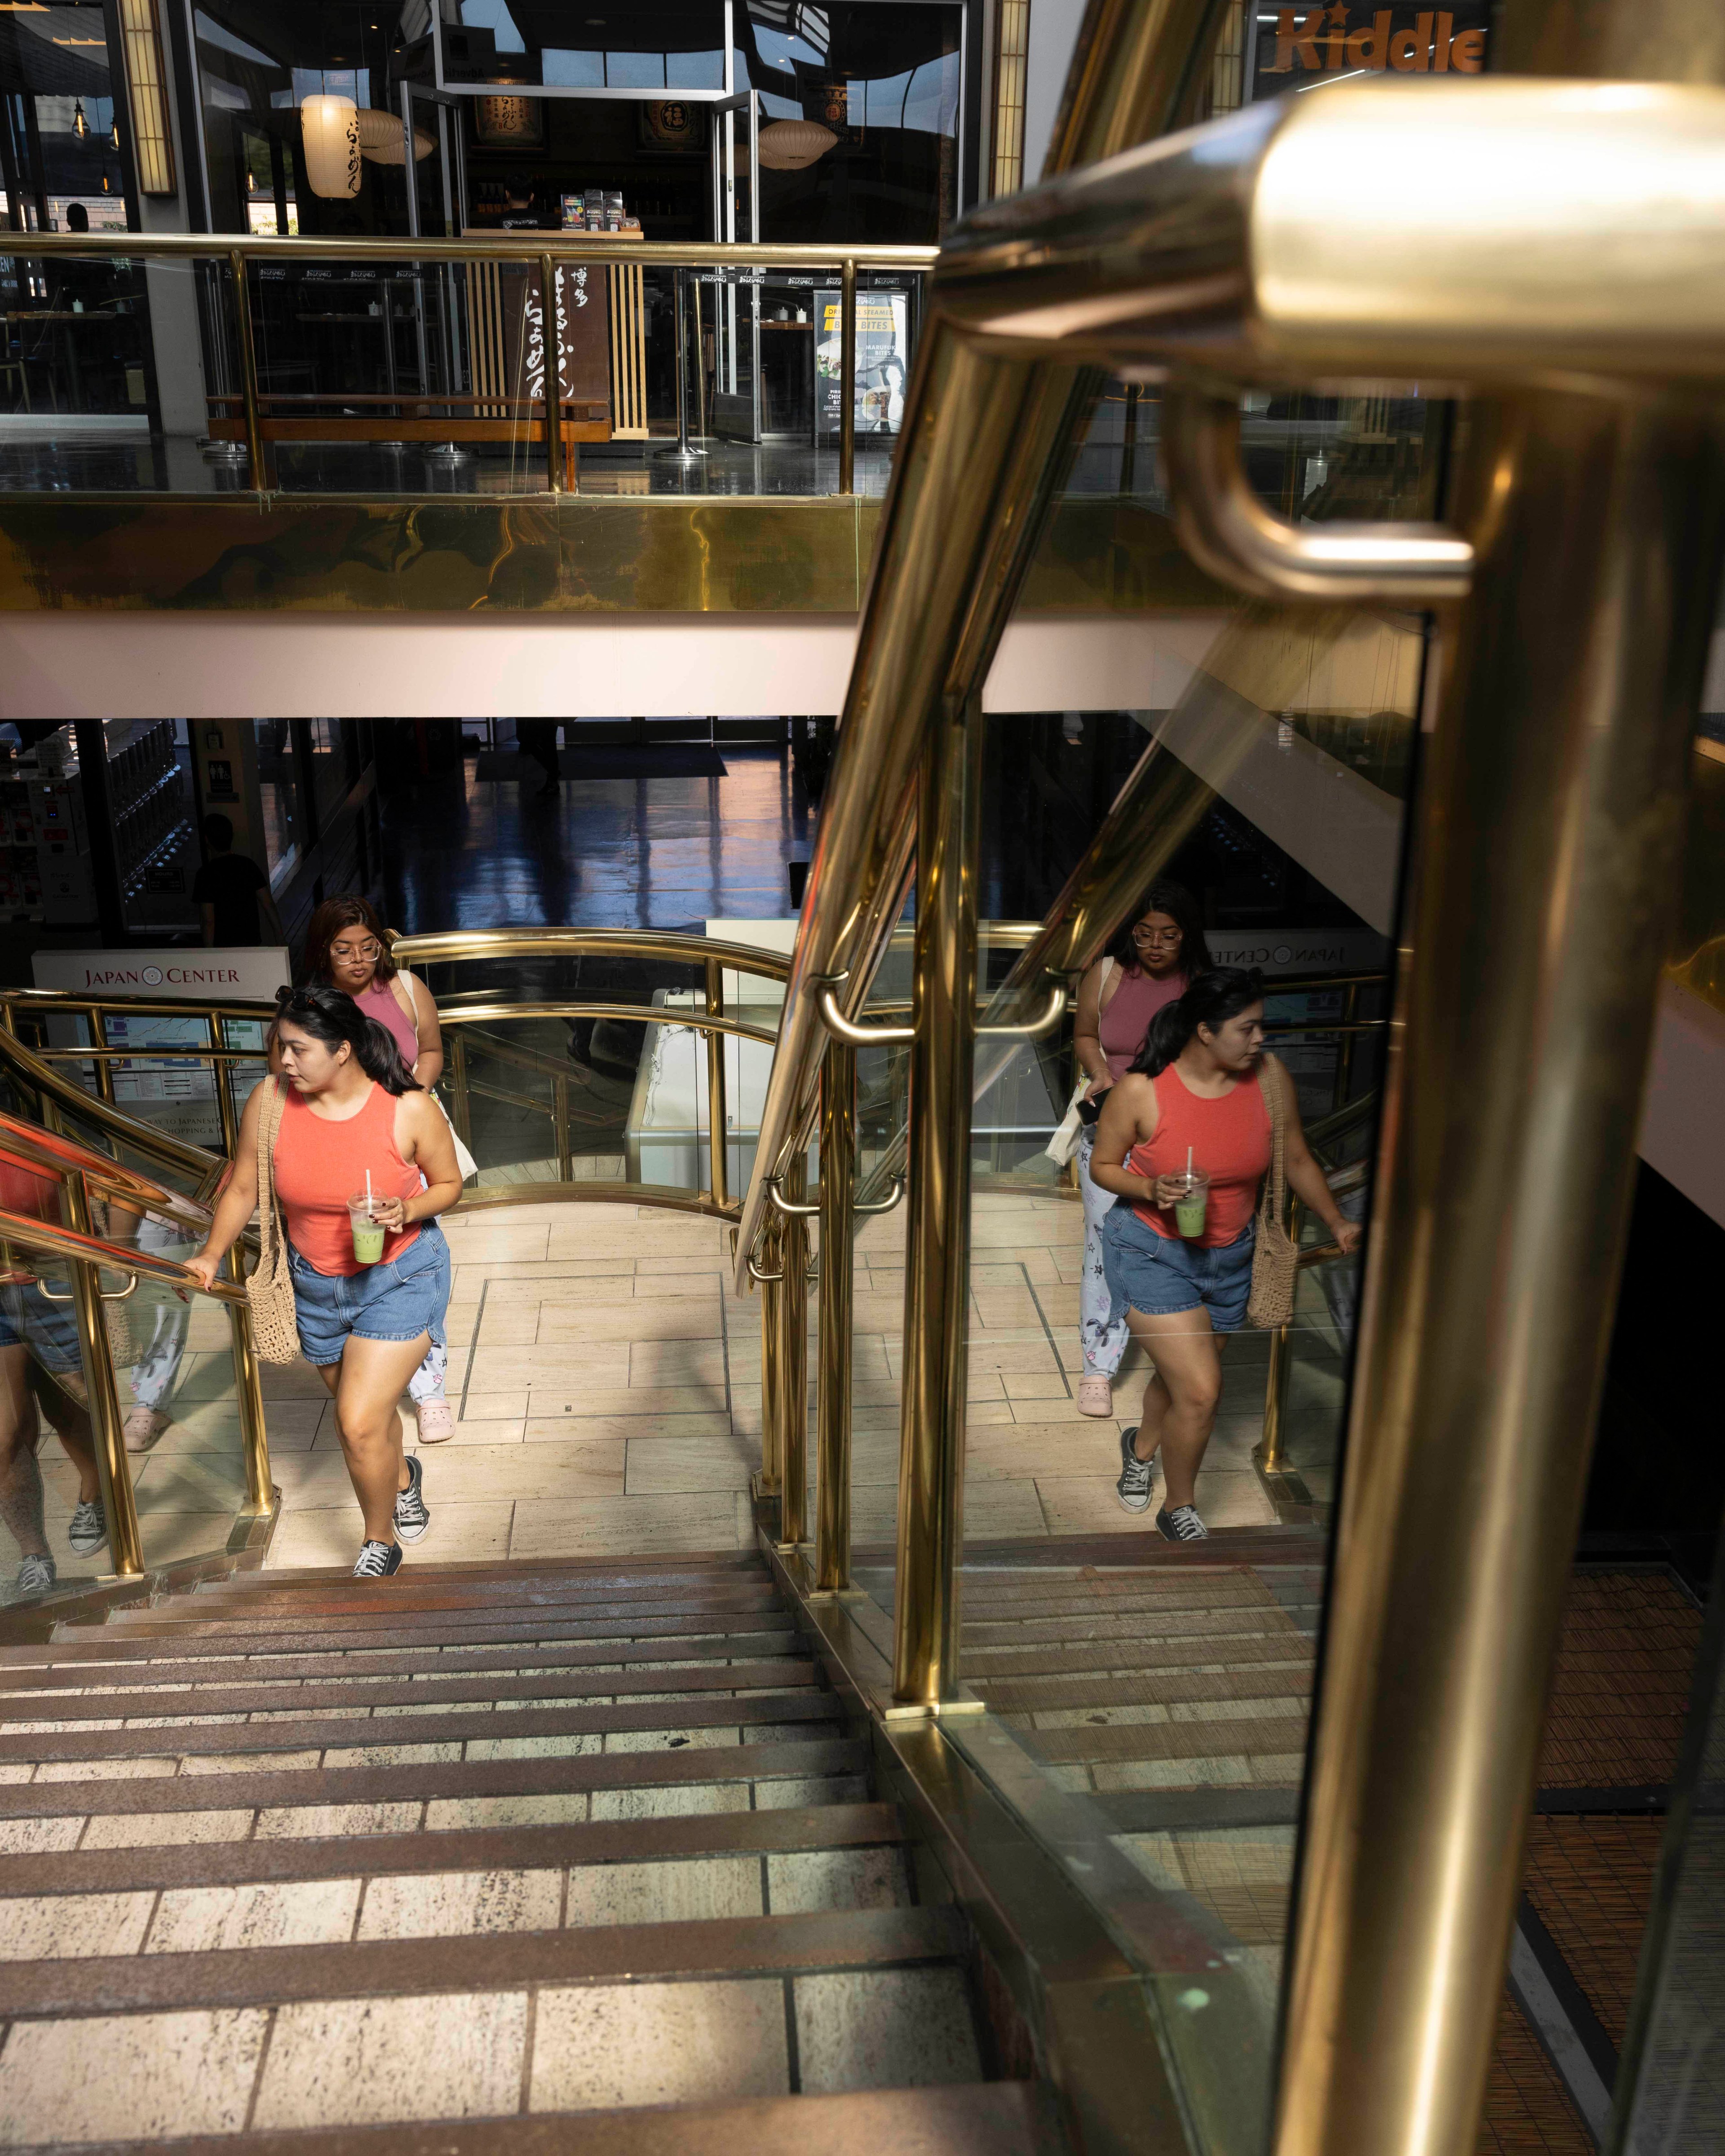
222,1080
931,1486
847,377
254,450
125,1544
461,1103
1271,1455
1551,811
794,1365
718,1119
560,1119
1344,1050
104,1069
838,1188
553,344
771,1387
247,1380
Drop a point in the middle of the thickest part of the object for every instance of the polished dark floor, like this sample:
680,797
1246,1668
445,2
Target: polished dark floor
464,852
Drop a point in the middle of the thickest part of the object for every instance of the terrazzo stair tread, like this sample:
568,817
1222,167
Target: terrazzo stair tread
1028,1695
419,1586
796,1830
1062,1598
384,1605
179,1670
1221,1738
1103,1657
785,1674
552,1569
254,1790
964,2118
485,1961
191,1739
104,1646
1179,1624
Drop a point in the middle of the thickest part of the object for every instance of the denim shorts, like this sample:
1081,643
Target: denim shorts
397,1299
48,1330
1162,1276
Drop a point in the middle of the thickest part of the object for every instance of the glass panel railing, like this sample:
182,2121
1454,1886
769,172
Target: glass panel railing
380,371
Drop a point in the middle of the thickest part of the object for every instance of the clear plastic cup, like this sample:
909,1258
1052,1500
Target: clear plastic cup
368,1233
1192,1203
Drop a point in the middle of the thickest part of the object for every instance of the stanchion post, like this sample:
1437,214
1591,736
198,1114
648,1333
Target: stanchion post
254,449
794,1365
838,1188
847,377
125,1543
718,1119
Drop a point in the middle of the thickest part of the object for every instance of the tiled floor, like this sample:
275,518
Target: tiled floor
607,1382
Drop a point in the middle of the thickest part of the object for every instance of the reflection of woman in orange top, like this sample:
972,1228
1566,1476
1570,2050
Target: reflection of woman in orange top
1197,1090
353,1111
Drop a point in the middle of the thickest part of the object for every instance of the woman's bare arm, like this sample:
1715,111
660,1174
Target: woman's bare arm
1128,1118
428,1063
423,1137
1087,1030
239,1198
1306,1179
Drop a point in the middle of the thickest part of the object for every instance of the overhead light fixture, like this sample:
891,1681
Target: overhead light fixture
381,140
790,146
81,126
331,128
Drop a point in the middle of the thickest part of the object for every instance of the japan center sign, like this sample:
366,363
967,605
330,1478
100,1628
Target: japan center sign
176,1093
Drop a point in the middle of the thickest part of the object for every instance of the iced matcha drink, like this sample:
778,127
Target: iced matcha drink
368,1233
1192,1203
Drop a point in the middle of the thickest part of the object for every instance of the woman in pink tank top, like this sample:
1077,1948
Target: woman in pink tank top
1156,951
1200,1091
348,947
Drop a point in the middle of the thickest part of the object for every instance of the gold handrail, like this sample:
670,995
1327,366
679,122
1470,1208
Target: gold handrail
63,1156
156,1145
69,1243
477,247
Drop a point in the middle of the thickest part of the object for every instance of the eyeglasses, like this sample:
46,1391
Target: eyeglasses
1143,934
356,950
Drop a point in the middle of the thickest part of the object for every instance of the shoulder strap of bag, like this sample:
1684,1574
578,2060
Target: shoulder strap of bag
1273,1205
1107,976
268,1126
413,997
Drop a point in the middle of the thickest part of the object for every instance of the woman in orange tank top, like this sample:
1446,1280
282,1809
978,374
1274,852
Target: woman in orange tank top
354,1118
1196,1094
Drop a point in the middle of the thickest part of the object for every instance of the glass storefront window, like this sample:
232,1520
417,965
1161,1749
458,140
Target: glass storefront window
588,47
59,133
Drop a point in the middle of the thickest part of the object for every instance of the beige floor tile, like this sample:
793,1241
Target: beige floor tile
600,1403
674,1363
500,1430
809,1879
578,1468
297,1822
1086,1505
703,1520
606,2046
679,1801
358,2062
602,1363
30,1837
558,1808
644,1317
60,1927
284,1762
459,1532
106,1770
904,2028
681,1459
164,1830
392,1755
489,1403
699,1888
448,1904
161,2074
295,1914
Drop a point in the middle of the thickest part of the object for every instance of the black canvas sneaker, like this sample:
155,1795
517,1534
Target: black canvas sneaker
377,1560
412,1518
88,1528
1182,1525
35,1575
1133,1487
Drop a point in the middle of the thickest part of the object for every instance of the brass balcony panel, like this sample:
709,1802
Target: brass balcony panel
531,554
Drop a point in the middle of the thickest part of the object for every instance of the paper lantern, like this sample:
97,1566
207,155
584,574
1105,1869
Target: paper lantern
380,139
330,126
787,146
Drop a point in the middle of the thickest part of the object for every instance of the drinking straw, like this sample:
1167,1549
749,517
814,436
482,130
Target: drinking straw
368,1192
1189,1170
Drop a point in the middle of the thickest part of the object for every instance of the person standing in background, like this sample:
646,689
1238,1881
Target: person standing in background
348,947
1156,952
232,894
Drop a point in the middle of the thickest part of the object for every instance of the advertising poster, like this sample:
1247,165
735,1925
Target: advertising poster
883,362
175,1093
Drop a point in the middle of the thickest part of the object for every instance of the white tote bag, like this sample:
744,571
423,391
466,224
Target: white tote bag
464,1159
1061,1146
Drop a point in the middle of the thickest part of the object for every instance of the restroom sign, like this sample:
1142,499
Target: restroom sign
1302,43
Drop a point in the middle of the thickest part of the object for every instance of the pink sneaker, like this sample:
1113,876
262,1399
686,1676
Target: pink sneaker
1095,1396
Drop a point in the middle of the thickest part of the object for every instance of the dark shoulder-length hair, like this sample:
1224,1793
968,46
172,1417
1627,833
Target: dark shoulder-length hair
333,1017
1212,999
1173,898
326,924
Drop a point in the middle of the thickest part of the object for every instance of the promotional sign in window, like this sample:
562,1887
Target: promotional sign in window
176,1093
883,362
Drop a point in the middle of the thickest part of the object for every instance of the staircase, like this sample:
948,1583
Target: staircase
577,1857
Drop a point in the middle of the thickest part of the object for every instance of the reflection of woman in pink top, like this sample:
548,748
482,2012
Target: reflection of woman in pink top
1156,951
348,947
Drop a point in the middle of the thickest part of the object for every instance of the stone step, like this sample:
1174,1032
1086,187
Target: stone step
383,1608
84,1673
364,1693
723,1948
713,1564
979,2118
788,1831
